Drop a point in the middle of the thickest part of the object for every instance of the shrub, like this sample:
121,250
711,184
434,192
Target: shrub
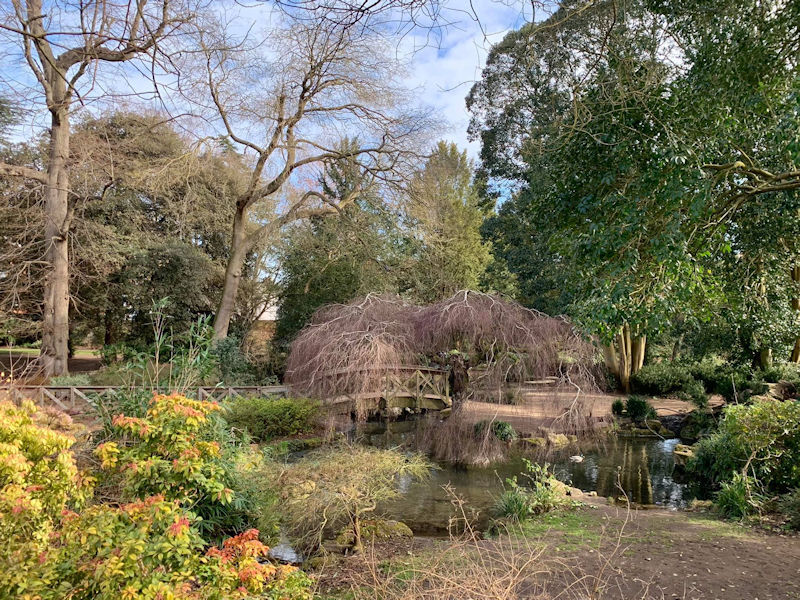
268,418
75,380
236,367
618,407
38,481
739,497
661,379
639,409
730,382
150,548
502,430
178,450
789,507
336,488
153,549
761,440
541,493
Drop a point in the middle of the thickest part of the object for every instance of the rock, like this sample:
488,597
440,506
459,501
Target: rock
558,440
534,441
574,492
592,494
682,453
375,530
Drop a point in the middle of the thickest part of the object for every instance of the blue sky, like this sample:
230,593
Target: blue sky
445,69
444,62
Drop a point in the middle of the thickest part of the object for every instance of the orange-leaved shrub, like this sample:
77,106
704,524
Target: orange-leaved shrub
178,449
38,481
148,549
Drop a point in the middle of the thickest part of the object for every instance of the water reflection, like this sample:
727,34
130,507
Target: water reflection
643,468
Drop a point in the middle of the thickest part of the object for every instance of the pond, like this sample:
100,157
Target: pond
643,467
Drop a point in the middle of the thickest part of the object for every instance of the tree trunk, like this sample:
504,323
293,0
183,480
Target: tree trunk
625,355
233,275
795,273
55,318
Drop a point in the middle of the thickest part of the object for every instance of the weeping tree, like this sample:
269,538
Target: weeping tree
350,348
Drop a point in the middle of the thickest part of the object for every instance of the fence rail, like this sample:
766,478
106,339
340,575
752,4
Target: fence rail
85,398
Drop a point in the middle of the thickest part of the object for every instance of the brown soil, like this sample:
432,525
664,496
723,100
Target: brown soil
693,557
19,362
659,554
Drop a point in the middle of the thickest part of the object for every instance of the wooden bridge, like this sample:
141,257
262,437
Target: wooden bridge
394,387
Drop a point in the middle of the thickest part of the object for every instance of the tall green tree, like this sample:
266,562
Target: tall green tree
622,124
444,219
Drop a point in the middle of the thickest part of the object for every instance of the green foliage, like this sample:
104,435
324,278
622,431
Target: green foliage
739,497
662,379
148,549
445,217
175,450
540,493
78,379
502,430
734,384
639,409
268,418
789,507
236,367
618,407
334,258
151,549
760,441
38,481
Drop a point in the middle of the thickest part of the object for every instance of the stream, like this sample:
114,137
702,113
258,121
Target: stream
643,467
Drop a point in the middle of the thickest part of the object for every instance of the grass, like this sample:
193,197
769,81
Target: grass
14,350
714,527
578,527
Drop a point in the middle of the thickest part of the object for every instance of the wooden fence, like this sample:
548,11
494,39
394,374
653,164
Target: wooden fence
85,398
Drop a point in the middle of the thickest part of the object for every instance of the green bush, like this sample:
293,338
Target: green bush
761,439
76,380
789,507
730,382
541,493
618,407
268,418
662,379
236,367
502,430
639,409
739,497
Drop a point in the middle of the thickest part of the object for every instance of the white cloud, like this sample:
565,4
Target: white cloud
444,70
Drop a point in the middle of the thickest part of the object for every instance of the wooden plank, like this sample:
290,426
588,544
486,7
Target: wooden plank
51,396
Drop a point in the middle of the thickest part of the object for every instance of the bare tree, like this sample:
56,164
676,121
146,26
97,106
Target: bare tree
285,103
63,45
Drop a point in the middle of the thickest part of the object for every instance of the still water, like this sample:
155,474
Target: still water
643,468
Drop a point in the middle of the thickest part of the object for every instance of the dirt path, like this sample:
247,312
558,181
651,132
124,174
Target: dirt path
649,554
690,556
537,408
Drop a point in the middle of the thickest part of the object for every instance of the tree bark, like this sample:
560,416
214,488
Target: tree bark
625,355
55,318
795,273
233,275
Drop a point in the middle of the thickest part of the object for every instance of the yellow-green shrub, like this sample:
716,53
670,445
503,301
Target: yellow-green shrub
38,481
145,550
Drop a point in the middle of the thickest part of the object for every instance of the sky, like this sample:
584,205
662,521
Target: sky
444,62
445,69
